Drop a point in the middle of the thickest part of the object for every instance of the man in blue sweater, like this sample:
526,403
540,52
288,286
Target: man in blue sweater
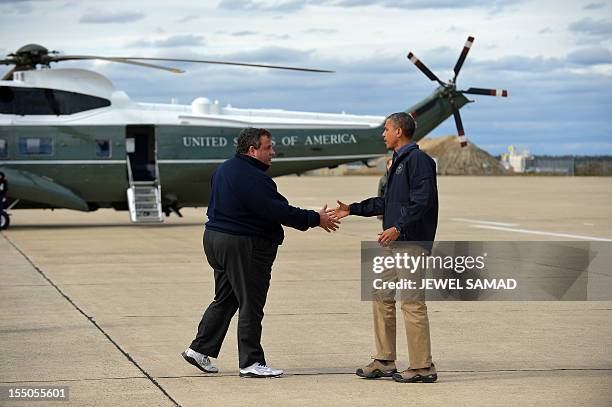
242,235
410,214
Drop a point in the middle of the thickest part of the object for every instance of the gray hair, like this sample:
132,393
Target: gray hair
250,137
404,121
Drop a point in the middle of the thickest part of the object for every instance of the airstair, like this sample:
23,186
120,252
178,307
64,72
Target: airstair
144,200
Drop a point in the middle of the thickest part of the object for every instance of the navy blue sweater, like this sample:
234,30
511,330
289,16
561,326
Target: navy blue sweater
410,202
244,201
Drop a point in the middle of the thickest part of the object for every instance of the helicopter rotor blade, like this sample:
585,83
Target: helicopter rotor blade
423,68
202,61
486,92
459,125
113,59
462,56
52,56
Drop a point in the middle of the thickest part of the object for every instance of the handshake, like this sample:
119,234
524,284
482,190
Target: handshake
329,219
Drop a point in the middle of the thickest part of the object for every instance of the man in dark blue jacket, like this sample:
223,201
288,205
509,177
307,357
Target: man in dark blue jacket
410,214
242,235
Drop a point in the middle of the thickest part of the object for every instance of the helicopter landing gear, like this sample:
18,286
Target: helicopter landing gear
172,208
5,221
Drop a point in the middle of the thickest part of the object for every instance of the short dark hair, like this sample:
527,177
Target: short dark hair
250,137
404,121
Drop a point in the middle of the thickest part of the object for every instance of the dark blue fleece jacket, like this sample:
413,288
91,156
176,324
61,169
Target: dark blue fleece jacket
410,202
244,201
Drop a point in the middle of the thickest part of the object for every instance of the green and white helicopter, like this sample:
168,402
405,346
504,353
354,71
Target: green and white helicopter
69,139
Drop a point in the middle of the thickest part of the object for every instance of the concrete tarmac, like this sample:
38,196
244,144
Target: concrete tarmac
92,302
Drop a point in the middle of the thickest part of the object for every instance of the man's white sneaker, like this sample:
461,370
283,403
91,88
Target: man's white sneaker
259,370
200,361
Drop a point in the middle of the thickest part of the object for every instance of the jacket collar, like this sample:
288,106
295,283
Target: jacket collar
253,161
398,156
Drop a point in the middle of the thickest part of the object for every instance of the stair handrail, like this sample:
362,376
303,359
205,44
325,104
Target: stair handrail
129,167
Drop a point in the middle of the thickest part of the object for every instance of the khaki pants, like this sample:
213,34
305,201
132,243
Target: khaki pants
415,321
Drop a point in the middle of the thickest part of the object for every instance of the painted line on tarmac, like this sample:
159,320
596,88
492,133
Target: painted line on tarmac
542,233
92,321
484,222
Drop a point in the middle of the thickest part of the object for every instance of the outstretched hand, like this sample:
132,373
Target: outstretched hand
342,210
328,219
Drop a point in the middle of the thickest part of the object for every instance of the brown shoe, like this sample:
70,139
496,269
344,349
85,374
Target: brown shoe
378,368
426,375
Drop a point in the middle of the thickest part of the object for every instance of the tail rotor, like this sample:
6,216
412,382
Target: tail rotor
451,91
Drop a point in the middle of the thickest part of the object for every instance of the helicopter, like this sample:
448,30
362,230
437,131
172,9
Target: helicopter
69,139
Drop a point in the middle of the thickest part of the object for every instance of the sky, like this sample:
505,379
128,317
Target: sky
553,57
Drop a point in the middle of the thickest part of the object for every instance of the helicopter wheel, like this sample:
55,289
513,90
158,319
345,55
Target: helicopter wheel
4,220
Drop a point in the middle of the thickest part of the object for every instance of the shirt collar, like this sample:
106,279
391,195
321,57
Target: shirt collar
404,149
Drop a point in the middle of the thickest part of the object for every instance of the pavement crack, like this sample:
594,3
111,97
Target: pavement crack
93,322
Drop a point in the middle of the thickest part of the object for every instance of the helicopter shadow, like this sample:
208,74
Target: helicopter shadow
103,226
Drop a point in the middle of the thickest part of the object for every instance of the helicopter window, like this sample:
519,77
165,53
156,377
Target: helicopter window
6,95
35,146
39,101
3,148
103,149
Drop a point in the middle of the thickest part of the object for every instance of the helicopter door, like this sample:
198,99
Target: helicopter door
141,151
144,192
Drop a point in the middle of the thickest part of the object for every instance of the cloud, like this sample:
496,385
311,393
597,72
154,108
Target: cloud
545,30
279,36
258,5
425,4
16,7
271,55
296,5
243,33
186,19
320,31
248,33
590,56
185,40
105,17
521,64
455,29
588,26
594,6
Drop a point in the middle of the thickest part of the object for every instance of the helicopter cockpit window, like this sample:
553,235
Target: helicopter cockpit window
3,148
35,146
103,149
39,101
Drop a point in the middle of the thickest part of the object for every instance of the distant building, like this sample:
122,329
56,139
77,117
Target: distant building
556,165
514,161
561,165
570,165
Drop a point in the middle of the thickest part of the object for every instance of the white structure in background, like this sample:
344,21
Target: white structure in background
512,160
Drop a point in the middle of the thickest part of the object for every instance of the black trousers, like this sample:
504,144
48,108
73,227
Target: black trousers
242,266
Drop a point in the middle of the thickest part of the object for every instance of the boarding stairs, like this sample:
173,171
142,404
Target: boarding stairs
144,200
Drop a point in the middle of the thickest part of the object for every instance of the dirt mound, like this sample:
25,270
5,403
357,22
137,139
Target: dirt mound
452,159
